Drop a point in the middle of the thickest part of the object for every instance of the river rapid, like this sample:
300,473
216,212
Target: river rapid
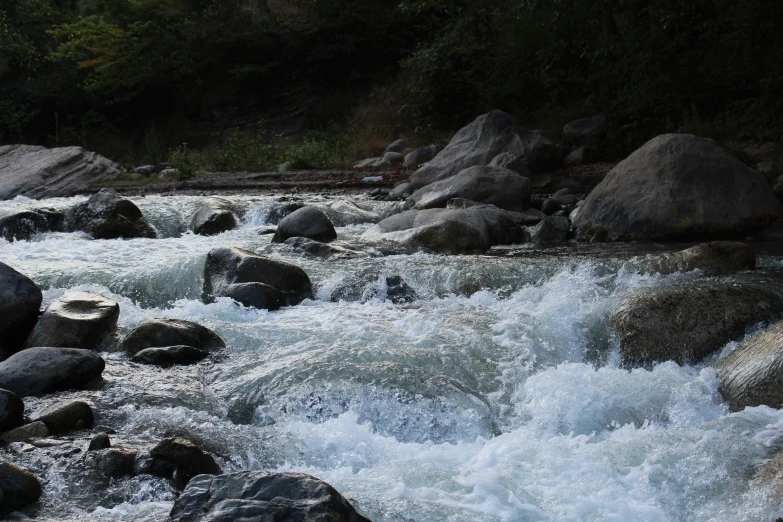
496,395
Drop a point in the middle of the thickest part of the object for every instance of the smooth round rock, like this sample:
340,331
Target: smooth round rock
34,430
160,332
67,416
37,371
20,487
99,442
309,222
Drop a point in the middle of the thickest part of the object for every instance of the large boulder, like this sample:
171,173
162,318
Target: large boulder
483,184
213,216
19,487
38,172
254,280
37,371
309,222
20,226
714,258
451,231
677,186
685,323
752,375
20,301
477,144
586,132
107,215
75,320
259,495
11,410
160,333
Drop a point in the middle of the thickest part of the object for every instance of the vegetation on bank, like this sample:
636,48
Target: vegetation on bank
134,79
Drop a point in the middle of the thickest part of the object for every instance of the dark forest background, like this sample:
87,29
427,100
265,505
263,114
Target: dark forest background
134,78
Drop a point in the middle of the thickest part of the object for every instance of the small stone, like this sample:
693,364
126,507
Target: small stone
99,442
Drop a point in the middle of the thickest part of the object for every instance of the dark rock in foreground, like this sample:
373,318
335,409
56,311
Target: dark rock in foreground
23,225
717,257
37,371
20,301
67,416
254,280
75,320
686,323
677,186
170,355
753,374
107,215
213,216
309,222
177,459
99,442
19,487
33,430
258,495
11,410
160,333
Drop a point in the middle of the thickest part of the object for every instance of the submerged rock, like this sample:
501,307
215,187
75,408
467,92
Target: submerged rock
213,216
259,495
254,280
38,172
688,322
19,487
75,320
677,186
21,226
309,222
717,257
11,410
36,371
753,374
67,416
483,184
170,355
20,300
107,215
318,249
161,333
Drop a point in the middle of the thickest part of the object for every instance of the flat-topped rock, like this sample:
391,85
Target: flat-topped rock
36,371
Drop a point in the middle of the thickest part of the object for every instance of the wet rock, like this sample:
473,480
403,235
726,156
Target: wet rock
99,442
453,231
586,131
484,184
318,249
38,172
103,429
259,495
420,156
36,371
107,215
511,162
396,146
477,144
11,410
254,280
552,229
75,320
21,226
33,430
677,186
114,462
20,487
20,300
67,416
715,258
309,222
213,216
170,355
688,322
343,212
178,459
160,333
398,291
278,212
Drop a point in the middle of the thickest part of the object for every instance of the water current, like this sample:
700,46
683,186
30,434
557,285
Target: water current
495,396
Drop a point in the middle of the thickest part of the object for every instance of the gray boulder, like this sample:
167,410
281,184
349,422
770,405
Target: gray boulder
213,216
677,186
715,258
19,487
586,131
508,161
688,322
309,222
401,191
67,416
752,375
394,157
38,172
75,320
477,144
160,333
170,355
21,226
20,301
107,215
453,231
483,184
33,430
259,495
254,280
396,146
551,229
11,410
420,156
37,371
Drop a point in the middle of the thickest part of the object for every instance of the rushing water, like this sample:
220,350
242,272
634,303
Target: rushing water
495,396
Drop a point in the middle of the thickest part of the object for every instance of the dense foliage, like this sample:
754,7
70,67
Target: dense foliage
121,76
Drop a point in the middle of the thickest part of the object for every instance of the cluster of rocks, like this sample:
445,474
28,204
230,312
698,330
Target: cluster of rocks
398,153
